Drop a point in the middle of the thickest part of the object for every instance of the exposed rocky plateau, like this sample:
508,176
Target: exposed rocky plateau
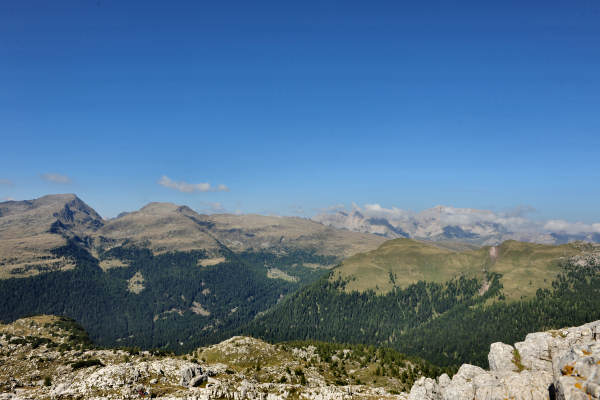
48,357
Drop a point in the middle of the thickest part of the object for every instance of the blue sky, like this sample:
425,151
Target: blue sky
296,106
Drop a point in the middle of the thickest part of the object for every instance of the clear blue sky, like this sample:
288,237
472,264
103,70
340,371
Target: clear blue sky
304,104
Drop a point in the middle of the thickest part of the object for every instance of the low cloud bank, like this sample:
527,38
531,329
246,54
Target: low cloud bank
516,220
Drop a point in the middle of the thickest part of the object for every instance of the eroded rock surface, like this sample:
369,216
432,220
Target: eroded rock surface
42,358
562,364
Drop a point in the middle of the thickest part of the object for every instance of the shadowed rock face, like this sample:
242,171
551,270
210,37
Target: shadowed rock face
30,229
562,364
26,218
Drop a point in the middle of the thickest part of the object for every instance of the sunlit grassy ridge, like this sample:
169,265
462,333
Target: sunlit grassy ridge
525,267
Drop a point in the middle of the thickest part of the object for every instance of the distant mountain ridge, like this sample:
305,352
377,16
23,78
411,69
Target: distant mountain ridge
31,229
442,223
161,276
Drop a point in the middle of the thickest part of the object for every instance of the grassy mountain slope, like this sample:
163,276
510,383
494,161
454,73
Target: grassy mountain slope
164,227
31,229
435,309
525,267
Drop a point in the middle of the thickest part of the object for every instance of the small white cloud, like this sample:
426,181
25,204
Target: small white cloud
215,207
8,199
56,178
375,210
559,225
7,182
190,187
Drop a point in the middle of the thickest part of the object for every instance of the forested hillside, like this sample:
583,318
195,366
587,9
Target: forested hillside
169,300
448,324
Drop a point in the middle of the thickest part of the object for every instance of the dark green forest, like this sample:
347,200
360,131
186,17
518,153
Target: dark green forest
447,324
159,316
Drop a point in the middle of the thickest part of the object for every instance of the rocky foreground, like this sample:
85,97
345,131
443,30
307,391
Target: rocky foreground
562,364
49,357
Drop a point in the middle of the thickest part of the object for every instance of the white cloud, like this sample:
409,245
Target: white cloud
559,225
56,178
376,210
215,207
8,199
480,221
190,187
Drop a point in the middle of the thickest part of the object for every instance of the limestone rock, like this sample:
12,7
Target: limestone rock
192,376
535,351
562,365
424,389
501,357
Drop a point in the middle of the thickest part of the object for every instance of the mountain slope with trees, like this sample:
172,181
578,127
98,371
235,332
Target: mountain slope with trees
449,322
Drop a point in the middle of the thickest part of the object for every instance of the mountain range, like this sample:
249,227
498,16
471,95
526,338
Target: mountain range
31,229
162,276
167,277
442,223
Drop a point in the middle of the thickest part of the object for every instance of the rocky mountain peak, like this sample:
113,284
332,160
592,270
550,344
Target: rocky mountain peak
468,225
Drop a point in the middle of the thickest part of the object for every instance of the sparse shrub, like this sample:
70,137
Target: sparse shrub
20,341
86,363
517,360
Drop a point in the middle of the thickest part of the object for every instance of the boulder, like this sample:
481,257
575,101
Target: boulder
535,351
425,389
189,373
501,357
